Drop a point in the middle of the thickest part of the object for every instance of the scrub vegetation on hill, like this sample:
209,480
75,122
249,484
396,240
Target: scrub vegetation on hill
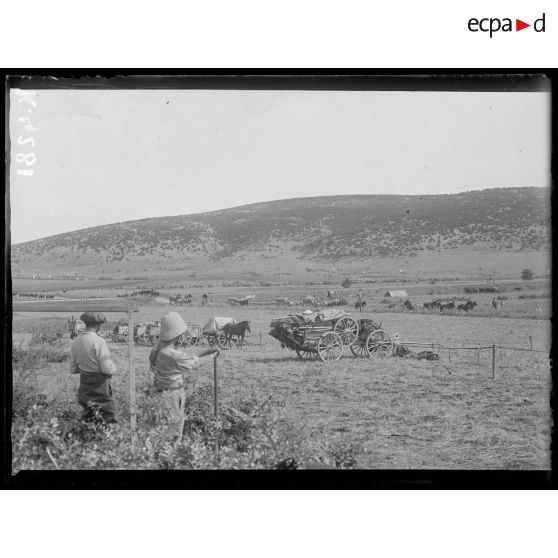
328,228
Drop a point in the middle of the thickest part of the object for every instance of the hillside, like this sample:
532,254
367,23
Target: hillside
321,229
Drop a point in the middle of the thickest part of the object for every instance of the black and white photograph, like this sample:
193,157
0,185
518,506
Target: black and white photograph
308,273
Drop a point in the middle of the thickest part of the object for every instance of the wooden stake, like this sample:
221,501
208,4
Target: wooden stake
132,370
493,361
215,401
531,342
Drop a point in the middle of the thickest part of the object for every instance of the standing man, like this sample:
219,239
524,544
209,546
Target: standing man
91,360
169,364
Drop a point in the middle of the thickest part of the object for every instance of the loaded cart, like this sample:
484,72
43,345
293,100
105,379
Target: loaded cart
120,332
372,341
192,335
316,334
325,333
148,333
75,327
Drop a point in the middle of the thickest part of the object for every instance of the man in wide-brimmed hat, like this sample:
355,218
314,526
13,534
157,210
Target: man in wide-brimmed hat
91,360
169,364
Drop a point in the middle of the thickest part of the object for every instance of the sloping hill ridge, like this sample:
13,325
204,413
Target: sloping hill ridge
324,228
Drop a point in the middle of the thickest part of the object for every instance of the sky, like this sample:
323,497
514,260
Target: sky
101,157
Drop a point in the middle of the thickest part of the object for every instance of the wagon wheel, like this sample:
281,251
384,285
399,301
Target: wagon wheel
221,339
358,348
306,355
330,346
347,329
379,344
233,341
212,340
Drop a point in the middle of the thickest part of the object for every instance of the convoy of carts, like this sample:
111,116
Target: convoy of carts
313,334
196,334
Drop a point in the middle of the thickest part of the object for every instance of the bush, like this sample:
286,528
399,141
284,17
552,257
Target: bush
347,282
527,275
251,434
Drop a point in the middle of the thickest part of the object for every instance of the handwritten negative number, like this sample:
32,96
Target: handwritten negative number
22,141
29,158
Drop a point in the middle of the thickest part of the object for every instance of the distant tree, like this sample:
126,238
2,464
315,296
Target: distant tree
347,282
527,274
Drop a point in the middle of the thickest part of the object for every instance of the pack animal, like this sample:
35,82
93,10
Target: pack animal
239,330
467,306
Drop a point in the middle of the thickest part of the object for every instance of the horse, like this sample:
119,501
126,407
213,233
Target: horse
243,302
239,329
469,305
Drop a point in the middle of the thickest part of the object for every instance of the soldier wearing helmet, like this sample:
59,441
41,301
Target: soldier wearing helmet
169,364
90,358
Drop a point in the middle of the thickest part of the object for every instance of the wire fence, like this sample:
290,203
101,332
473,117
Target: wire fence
498,360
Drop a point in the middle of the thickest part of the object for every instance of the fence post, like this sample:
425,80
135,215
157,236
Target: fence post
531,342
132,366
215,403
493,361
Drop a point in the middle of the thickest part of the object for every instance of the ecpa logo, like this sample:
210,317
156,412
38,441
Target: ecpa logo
494,24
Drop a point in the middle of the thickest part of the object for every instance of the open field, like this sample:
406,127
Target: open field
523,299
397,413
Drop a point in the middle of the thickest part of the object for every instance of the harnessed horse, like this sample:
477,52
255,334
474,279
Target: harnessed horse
239,329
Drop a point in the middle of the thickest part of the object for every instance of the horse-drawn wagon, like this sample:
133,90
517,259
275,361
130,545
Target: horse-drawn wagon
192,336
120,332
325,333
148,333
225,332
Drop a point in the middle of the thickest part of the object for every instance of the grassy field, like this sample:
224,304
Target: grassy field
398,413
